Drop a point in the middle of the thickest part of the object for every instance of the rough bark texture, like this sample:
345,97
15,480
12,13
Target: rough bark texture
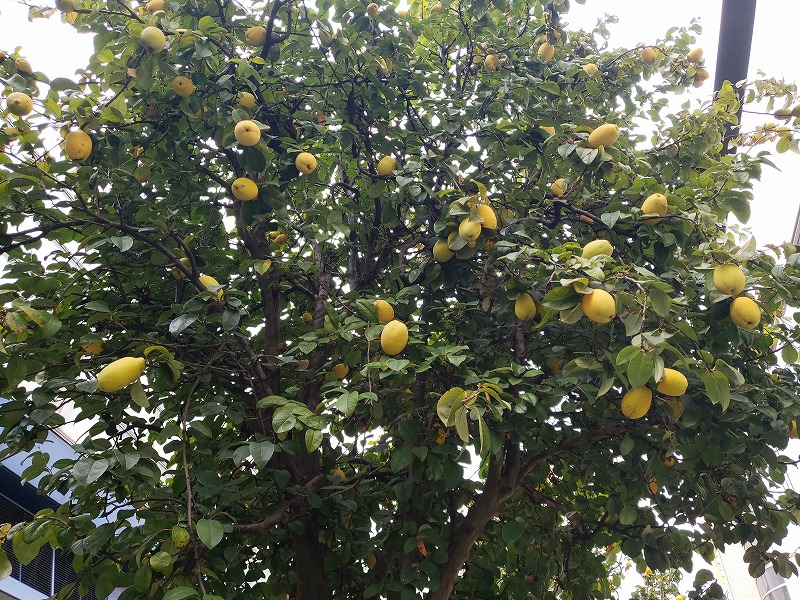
310,563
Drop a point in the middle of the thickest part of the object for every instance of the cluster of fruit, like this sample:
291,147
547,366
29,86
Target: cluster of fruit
393,339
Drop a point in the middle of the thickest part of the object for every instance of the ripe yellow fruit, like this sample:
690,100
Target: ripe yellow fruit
652,485
244,188
372,9
245,100
636,402
247,133
177,273
120,373
486,213
694,55
673,383
669,462
341,370
729,279
654,204
649,55
19,104
307,317
680,597
339,473
255,36
559,187
491,63
209,282
525,307
546,51
604,135
469,230
599,306
94,348
386,165
305,162
183,86
394,337
155,5
596,248
700,76
591,68
281,239
78,145
745,313
442,252
385,311
153,39
23,65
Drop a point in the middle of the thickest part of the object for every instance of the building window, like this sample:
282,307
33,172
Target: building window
772,586
50,571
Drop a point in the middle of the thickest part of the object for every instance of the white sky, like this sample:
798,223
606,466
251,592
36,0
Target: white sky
55,49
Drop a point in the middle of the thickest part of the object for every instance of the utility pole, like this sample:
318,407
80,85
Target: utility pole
733,51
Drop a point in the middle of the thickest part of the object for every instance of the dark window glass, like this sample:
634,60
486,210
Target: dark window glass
41,573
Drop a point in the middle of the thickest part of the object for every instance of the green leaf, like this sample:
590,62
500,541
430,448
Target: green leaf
400,459
313,439
626,445
561,298
284,419
179,593
717,387
138,395
460,418
512,531
261,267
271,401
485,436
447,404
551,87
16,322
124,243
210,532
640,369
610,219
181,322
26,552
16,371
627,515
659,301
97,307
5,565
263,451
789,354
59,84
87,470
627,353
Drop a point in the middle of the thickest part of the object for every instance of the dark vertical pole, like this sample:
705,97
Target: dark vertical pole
733,52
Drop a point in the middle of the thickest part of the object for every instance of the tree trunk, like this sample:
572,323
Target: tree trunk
310,563
463,539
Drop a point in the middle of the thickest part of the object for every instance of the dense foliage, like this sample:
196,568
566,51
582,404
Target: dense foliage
282,438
